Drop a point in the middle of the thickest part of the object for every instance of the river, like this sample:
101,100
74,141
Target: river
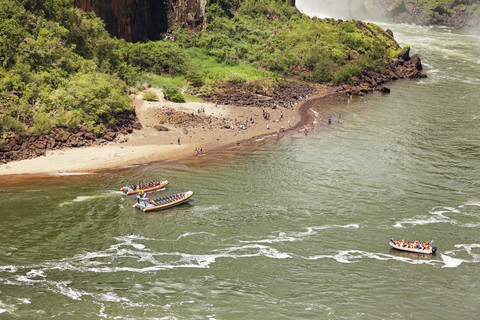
289,228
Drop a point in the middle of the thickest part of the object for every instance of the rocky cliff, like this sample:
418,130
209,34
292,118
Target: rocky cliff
135,20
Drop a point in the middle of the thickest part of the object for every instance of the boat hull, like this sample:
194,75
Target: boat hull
414,250
163,203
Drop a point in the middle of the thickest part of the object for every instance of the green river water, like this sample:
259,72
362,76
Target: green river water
289,228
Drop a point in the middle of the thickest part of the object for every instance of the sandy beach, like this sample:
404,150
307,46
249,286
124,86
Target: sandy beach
193,128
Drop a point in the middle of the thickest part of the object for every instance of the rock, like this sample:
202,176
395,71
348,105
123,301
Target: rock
51,143
137,126
405,54
136,20
415,61
160,128
109,135
89,136
384,89
39,144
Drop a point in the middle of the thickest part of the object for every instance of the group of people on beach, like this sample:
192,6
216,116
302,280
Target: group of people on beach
412,245
199,151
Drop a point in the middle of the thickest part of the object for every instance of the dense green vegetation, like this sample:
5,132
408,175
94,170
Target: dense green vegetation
60,68
435,8
273,36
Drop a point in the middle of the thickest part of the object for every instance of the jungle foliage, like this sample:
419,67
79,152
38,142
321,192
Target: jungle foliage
59,67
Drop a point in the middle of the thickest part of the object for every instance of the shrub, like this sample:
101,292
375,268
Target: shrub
42,124
236,78
73,119
97,96
177,97
172,93
9,123
195,76
150,96
346,73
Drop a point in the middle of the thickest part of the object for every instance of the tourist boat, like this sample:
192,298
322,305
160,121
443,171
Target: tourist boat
428,250
147,205
144,186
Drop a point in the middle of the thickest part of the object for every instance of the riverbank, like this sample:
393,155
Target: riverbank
172,131
232,115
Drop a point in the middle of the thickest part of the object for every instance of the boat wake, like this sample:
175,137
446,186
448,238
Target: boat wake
355,256
93,197
462,254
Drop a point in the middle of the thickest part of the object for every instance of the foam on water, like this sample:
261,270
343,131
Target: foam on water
298,236
421,221
443,215
355,256
451,262
190,234
465,251
471,203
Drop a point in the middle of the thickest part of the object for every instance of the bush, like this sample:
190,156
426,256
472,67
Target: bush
96,96
346,73
42,124
195,76
150,96
177,97
172,93
9,123
73,119
236,78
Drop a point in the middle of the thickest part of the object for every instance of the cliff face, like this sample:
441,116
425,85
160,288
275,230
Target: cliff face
135,20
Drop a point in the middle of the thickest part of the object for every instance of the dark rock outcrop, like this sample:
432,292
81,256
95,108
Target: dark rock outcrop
20,147
405,67
136,20
286,95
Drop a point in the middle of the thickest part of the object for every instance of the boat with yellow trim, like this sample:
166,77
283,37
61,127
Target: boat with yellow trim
144,186
147,205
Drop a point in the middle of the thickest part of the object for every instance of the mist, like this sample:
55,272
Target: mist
344,9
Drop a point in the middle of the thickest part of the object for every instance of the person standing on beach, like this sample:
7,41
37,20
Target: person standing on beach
179,140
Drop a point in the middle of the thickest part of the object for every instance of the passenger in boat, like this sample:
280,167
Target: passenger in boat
138,197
